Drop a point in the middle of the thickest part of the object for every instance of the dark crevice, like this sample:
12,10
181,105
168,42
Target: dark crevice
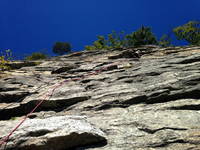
48,105
128,81
79,70
192,82
155,98
90,87
151,131
168,143
89,80
135,100
186,107
109,105
62,69
6,89
37,133
60,105
84,141
153,74
165,97
124,104
13,97
124,77
188,61
86,81
98,145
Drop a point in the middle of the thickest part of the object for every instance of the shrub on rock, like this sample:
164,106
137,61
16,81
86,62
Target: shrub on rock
61,48
36,56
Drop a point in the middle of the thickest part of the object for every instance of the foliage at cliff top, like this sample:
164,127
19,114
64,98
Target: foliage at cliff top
189,32
36,56
61,48
143,36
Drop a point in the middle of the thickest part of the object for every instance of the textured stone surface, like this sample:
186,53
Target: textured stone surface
63,132
146,103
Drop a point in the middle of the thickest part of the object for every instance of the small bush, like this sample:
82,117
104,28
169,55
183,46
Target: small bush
61,48
36,56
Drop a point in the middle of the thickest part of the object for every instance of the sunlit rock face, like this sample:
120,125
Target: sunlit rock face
142,98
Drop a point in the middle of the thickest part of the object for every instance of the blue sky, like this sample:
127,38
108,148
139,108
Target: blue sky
34,25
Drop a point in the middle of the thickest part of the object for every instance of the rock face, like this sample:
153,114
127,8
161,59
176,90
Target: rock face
127,99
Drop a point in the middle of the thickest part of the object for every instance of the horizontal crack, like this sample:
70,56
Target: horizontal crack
48,105
186,107
151,131
166,97
168,143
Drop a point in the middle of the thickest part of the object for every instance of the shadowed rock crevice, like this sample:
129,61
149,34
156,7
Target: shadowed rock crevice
154,98
186,107
167,143
62,69
12,96
190,60
38,133
166,97
151,131
47,105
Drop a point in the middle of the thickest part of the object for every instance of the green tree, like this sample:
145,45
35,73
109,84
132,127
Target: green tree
165,41
61,48
143,36
189,32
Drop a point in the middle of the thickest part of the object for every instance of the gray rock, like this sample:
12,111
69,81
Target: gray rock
147,103
54,133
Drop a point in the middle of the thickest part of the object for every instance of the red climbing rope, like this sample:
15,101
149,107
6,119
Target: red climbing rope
6,138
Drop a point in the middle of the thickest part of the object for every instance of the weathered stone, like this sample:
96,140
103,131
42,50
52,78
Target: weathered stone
54,133
145,103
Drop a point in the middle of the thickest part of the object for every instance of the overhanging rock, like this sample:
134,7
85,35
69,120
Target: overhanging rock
54,133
